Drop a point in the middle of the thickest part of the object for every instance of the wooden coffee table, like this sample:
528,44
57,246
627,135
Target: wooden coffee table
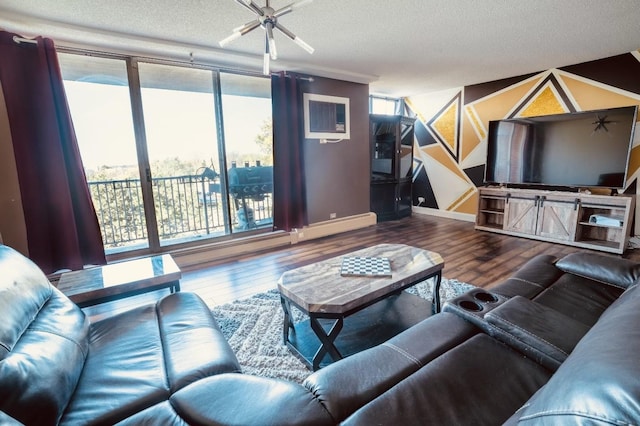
348,314
118,280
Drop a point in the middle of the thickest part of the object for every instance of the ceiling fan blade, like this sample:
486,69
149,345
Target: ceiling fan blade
266,57
294,38
271,42
249,4
290,8
239,32
249,26
300,4
234,35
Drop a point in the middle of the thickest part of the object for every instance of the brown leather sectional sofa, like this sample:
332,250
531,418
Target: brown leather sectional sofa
558,346
557,343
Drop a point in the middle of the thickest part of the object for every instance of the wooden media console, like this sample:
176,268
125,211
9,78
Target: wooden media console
598,222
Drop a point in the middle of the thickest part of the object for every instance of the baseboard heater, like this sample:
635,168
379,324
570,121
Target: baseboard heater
331,227
197,257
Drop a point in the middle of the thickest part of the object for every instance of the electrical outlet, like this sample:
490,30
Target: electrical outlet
332,215
420,200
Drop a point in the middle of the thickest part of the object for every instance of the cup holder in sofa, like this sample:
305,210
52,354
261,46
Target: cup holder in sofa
485,297
470,305
474,305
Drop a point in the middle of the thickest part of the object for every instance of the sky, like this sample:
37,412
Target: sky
177,124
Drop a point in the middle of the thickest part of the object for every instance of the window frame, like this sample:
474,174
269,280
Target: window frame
135,95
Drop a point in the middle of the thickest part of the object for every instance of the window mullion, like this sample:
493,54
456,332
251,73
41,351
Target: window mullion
222,154
143,155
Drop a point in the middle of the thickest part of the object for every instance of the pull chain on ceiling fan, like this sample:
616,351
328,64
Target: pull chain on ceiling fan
268,19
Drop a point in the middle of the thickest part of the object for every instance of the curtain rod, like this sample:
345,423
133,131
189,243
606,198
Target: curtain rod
24,40
155,60
299,77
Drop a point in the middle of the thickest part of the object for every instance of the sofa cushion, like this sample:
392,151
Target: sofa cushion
237,399
138,358
598,383
160,414
480,382
43,343
531,279
354,381
578,297
241,399
621,273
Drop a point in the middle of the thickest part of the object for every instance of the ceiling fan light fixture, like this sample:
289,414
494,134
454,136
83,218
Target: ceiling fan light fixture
268,19
234,35
304,45
249,4
249,26
271,41
299,4
290,8
265,64
266,58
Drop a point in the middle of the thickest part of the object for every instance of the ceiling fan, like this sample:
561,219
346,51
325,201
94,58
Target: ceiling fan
268,20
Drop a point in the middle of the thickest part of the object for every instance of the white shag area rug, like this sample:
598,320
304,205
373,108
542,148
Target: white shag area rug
253,328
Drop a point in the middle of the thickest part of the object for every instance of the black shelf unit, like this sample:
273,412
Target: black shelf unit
391,138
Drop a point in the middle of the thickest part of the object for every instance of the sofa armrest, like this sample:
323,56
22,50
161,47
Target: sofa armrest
598,383
608,270
539,332
185,323
242,399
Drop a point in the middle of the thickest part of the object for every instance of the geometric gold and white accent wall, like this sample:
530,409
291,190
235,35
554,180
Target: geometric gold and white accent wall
451,126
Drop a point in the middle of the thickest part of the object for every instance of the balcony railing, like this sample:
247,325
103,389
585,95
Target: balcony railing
187,207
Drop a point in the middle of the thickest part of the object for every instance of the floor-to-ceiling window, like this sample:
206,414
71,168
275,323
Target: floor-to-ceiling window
385,106
162,145
246,103
180,127
98,93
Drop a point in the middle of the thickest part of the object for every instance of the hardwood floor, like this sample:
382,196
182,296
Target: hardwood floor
477,257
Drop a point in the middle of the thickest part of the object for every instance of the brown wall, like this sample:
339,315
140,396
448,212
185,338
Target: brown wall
12,226
337,174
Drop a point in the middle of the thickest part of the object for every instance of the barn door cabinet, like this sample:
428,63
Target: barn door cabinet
598,222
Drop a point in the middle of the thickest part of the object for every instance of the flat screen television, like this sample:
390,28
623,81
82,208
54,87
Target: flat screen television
587,149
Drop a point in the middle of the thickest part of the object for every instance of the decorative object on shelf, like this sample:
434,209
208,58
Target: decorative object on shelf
268,20
607,220
601,123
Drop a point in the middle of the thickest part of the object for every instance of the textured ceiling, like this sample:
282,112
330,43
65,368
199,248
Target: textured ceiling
402,47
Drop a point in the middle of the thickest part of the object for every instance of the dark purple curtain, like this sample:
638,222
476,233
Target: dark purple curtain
62,226
288,174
